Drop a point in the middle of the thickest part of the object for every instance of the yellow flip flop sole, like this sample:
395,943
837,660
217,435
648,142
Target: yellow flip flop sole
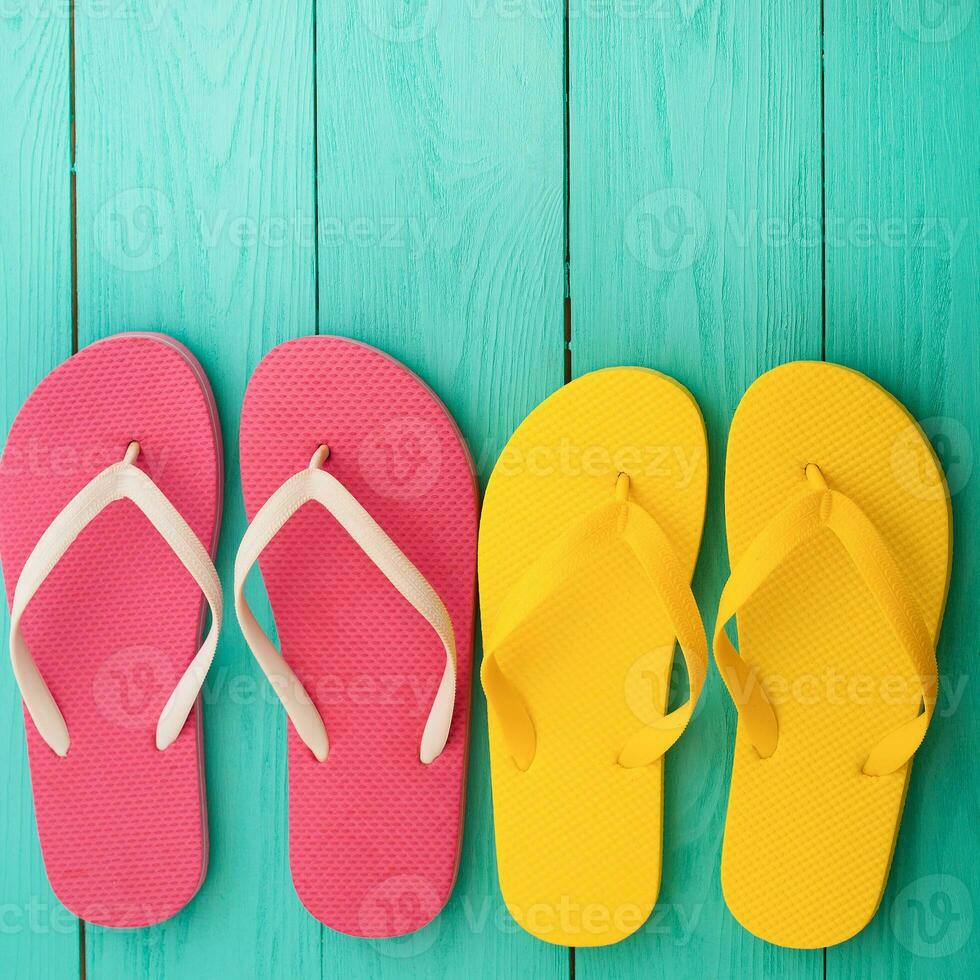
591,525
838,530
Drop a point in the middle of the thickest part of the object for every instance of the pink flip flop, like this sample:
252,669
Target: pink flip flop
363,506
109,483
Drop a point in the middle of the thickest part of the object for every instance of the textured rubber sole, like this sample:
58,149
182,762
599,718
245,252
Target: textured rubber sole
122,826
374,835
809,837
578,836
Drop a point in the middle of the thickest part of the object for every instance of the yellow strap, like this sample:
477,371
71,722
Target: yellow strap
886,583
627,521
797,524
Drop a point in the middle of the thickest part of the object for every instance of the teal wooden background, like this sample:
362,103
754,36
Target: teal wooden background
710,187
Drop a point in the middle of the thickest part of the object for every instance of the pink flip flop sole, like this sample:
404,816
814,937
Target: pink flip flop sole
374,834
122,826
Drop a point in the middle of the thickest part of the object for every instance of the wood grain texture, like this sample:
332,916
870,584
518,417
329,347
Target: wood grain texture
195,216
695,227
441,241
903,305
38,936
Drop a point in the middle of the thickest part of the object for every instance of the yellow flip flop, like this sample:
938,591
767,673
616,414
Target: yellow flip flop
591,525
838,529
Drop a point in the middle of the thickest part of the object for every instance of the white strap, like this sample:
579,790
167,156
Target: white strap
120,481
315,484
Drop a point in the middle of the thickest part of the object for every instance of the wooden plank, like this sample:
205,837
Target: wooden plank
694,224
902,142
195,216
38,937
441,241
